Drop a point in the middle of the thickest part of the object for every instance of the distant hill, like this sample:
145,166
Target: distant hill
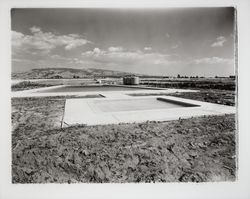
57,73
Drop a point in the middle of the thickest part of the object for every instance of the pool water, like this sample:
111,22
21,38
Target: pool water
137,104
90,89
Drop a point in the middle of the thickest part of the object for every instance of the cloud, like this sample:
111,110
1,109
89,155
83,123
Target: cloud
56,57
219,42
22,60
213,60
44,42
115,49
96,52
147,48
167,35
59,57
126,57
35,29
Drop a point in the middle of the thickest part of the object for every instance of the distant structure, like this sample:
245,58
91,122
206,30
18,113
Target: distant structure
98,81
131,80
56,77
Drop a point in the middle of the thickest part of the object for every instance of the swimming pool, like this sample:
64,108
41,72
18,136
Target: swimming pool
92,89
138,104
129,110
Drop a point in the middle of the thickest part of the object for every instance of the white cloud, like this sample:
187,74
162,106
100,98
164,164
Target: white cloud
59,57
21,60
167,35
96,52
17,38
219,42
126,57
115,49
213,60
35,29
44,42
147,48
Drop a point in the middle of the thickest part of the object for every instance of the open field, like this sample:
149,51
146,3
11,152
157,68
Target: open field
224,97
26,85
196,149
194,83
225,84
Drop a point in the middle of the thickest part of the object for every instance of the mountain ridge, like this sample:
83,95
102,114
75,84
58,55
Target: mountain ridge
67,73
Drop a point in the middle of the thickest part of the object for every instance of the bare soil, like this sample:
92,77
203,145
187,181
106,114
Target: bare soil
192,150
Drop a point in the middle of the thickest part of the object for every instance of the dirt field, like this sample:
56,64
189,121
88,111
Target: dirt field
191,150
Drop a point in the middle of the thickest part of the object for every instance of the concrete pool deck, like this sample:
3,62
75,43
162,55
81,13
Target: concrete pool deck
40,92
84,111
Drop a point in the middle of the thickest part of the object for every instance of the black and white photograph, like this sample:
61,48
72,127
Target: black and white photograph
124,101
123,95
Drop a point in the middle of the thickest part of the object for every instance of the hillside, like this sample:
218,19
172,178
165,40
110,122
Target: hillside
57,73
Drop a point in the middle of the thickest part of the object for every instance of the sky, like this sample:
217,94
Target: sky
169,41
